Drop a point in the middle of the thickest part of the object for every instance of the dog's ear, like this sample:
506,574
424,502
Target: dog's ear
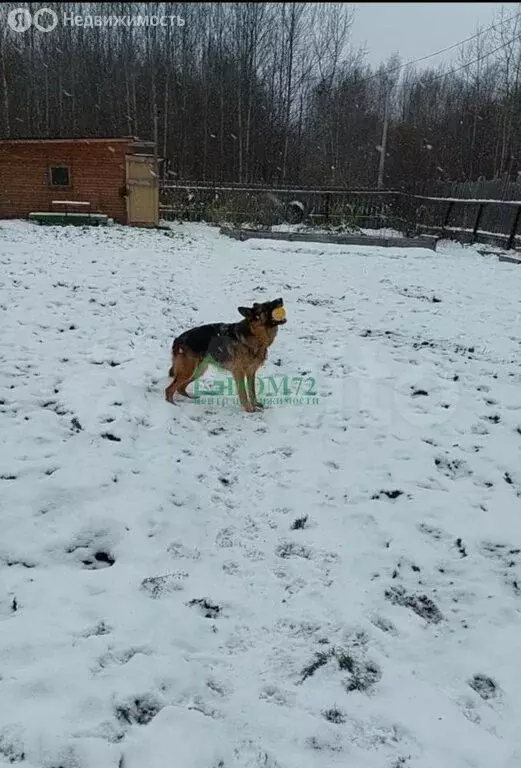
245,312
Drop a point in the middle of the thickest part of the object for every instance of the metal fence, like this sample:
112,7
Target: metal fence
267,206
495,222
463,219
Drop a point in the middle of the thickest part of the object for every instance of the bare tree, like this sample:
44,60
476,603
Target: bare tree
271,92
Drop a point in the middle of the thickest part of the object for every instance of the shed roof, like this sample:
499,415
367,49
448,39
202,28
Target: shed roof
73,140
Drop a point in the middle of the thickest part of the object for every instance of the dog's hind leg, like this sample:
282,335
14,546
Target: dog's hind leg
199,371
183,369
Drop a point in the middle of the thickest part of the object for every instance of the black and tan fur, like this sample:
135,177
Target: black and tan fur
240,348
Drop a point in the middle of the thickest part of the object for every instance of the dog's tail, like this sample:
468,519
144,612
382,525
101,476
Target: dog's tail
177,349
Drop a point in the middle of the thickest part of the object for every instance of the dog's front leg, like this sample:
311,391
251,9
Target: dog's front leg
241,391
252,392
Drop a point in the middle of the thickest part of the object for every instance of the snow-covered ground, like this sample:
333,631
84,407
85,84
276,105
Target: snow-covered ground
321,585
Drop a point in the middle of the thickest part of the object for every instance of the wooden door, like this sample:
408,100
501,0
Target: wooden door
142,191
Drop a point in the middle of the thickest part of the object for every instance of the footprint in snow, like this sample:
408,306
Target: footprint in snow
331,465
452,468
98,560
385,625
292,549
111,437
178,550
225,538
494,418
422,605
101,628
274,695
159,586
392,495
484,686
299,523
334,715
119,658
207,608
140,710
92,550
230,567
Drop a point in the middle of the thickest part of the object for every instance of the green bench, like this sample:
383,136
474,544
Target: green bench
67,216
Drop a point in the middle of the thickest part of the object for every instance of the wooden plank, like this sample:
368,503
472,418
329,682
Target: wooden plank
69,202
305,237
510,259
44,217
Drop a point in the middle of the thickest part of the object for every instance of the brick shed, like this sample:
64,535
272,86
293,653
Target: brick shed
117,177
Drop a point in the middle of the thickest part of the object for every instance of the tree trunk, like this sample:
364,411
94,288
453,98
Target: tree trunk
5,91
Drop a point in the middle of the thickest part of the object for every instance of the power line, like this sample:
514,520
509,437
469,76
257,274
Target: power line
381,169
444,50
475,61
462,42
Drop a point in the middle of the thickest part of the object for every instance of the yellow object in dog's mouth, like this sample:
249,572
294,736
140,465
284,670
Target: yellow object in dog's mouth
279,314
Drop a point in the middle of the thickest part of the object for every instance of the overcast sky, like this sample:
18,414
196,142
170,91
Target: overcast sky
417,29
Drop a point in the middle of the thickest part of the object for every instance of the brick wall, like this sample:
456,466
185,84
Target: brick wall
96,168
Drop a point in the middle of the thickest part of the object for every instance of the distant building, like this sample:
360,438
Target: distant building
115,177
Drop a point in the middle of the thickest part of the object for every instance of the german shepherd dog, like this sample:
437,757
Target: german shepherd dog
240,348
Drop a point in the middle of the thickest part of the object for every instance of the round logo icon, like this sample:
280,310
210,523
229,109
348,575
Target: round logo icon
45,19
19,19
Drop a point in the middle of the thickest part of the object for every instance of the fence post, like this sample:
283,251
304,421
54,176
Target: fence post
512,239
447,216
476,223
399,213
327,207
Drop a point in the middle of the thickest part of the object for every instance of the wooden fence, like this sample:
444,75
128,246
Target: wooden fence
462,219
